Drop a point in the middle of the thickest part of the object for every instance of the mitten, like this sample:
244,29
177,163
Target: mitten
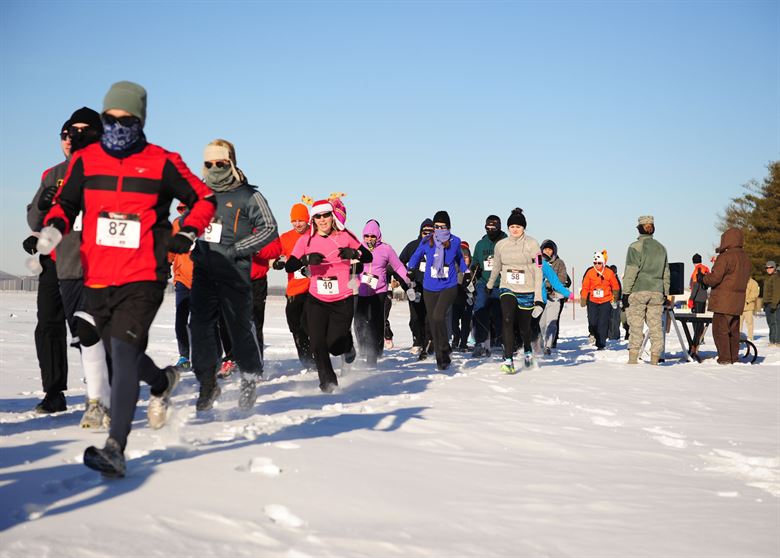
30,243
347,253
182,241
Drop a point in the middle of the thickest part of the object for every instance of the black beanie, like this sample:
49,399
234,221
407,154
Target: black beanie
442,217
86,115
516,218
696,258
493,220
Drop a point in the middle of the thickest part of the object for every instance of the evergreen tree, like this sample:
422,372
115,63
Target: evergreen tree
757,213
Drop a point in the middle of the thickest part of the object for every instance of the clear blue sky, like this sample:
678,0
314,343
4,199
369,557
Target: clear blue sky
585,114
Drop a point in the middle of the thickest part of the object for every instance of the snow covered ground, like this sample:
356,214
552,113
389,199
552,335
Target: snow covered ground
586,456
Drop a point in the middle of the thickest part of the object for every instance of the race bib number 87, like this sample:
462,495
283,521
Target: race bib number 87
120,230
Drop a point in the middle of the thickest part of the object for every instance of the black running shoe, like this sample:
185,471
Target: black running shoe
209,392
109,461
52,403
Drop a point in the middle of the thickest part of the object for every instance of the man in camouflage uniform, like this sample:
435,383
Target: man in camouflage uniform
645,288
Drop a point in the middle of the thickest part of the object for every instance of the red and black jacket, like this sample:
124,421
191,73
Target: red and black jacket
142,185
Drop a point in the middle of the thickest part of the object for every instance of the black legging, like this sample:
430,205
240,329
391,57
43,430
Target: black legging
437,304
511,313
329,325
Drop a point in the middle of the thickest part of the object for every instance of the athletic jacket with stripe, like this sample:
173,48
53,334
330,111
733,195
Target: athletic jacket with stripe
136,191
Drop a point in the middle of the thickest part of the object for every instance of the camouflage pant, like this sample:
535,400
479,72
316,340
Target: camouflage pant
645,307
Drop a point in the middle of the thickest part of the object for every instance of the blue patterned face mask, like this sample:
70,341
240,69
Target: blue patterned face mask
118,137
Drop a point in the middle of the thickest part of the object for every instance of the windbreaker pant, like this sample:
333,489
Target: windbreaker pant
259,294
773,321
388,334
183,319
417,323
514,320
461,324
487,309
329,325
72,293
599,316
369,326
296,322
725,331
123,316
51,340
223,335
232,298
438,304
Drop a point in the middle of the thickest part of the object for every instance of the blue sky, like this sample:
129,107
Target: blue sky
585,114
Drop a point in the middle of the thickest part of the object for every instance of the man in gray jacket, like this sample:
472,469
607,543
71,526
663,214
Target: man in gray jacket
645,288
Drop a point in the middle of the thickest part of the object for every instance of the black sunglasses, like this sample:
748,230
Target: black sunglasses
369,236
322,215
218,164
440,227
126,121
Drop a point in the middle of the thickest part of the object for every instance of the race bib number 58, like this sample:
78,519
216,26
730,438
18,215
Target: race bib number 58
120,230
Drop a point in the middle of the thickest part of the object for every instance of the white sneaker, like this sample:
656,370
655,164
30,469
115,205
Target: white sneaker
157,412
415,350
96,417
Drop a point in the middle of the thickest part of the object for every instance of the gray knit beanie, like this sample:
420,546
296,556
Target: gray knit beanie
129,96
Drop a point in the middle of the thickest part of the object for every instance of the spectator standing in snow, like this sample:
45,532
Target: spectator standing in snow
728,280
772,302
645,288
124,187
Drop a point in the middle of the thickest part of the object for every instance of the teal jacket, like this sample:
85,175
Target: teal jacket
483,252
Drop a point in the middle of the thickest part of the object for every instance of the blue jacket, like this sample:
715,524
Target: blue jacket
453,262
549,273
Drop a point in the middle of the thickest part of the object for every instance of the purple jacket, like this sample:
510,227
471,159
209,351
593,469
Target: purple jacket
373,280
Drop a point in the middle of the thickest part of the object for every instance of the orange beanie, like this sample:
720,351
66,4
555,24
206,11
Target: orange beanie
299,212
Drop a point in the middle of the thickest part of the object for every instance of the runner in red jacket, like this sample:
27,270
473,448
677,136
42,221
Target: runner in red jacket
124,187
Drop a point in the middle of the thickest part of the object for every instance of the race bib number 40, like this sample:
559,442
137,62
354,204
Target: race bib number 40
328,285
120,230
515,277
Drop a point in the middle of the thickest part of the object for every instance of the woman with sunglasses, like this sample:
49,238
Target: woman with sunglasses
329,250
370,311
444,270
517,263
221,281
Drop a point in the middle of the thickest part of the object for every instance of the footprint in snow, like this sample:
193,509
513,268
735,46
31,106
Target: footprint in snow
281,515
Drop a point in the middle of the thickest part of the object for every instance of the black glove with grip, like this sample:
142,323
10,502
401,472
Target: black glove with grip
29,244
182,241
278,264
624,301
315,258
47,197
347,253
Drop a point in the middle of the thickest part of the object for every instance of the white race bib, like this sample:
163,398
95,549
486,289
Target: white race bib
598,293
487,265
515,277
77,225
370,280
328,285
120,230
422,265
213,233
445,273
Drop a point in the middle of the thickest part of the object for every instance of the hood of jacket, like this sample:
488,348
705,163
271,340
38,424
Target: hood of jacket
372,228
732,238
550,244
425,223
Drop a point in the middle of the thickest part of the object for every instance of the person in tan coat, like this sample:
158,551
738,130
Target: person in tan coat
751,295
728,279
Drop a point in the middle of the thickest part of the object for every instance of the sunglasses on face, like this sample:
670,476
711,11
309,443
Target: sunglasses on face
218,164
440,227
322,215
123,120
427,231
369,236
